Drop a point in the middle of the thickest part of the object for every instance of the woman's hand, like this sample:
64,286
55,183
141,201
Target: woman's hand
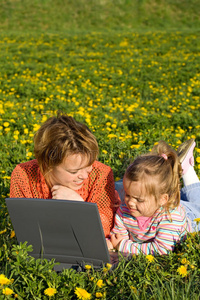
116,239
64,193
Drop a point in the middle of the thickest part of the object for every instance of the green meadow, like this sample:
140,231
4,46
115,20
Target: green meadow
130,71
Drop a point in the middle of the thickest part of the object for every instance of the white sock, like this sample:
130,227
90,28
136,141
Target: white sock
190,176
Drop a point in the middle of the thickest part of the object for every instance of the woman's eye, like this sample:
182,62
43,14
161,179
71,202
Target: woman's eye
72,172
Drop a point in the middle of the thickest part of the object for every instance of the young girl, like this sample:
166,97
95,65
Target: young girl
152,220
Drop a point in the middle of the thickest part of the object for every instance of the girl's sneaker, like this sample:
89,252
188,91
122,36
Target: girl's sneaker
185,154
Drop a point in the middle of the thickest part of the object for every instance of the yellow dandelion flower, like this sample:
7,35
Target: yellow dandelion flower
12,235
50,292
108,266
112,135
135,146
124,43
29,154
15,295
150,258
26,130
104,151
192,266
99,295
4,280
198,159
82,294
36,127
197,220
44,118
88,267
184,261
3,231
182,271
100,283
133,289
7,291
6,124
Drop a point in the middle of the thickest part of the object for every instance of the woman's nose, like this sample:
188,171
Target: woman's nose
89,169
84,172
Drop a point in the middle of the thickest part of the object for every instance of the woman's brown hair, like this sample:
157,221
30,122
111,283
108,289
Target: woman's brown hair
60,137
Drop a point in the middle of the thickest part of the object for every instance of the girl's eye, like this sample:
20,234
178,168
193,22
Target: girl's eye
139,200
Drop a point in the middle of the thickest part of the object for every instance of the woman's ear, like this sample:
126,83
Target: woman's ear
163,199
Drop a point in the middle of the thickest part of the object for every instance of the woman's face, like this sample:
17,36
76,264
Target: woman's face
71,172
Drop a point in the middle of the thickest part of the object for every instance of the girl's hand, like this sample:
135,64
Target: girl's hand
109,244
116,239
64,193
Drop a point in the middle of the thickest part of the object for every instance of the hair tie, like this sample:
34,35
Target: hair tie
164,156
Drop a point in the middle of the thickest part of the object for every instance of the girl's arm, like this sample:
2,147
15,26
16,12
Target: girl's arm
165,236
119,231
164,241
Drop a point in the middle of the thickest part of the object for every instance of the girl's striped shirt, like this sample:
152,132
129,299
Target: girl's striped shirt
160,236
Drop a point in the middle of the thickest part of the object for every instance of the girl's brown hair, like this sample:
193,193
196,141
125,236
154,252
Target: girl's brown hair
60,137
160,172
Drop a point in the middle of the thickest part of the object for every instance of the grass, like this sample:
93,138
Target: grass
130,71
105,15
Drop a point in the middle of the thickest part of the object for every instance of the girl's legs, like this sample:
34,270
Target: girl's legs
190,193
185,154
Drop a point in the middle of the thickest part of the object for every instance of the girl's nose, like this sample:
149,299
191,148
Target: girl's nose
132,202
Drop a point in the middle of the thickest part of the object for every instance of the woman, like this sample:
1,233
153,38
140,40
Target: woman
66,168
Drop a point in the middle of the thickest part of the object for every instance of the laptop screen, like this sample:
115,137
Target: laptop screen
68,231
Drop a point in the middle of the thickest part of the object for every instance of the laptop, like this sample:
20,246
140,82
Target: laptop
68,231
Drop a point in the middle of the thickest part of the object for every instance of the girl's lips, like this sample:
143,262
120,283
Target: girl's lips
132,209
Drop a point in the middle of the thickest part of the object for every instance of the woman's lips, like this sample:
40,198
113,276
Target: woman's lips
79,182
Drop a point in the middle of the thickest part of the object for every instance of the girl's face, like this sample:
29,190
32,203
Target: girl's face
71,172
137,201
